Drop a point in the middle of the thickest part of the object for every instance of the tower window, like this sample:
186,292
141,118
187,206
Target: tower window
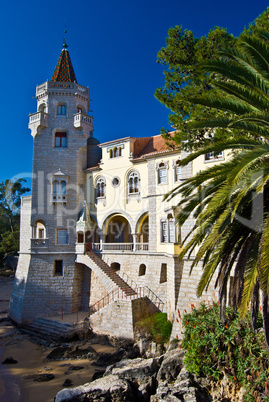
60,140
58,267
61,110
62,236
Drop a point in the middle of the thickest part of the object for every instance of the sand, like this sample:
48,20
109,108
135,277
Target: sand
31,360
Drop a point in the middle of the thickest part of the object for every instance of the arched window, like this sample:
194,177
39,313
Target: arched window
80,237
39,230
133,183
115,152
115,266
100,187
177,171
55,187
162,172
168,230
142,270
42,108
59,191
63,187
61,109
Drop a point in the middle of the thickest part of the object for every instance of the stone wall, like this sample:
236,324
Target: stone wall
119,318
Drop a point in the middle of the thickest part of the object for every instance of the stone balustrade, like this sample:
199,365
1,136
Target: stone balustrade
39,243
81,120
38,119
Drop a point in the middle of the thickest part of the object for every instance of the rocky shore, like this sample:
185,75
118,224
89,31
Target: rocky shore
96,368
152,379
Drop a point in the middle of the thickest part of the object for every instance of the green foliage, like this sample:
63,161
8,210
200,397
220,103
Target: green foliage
230,201
213,348
184,78
10,200
157,326
9,243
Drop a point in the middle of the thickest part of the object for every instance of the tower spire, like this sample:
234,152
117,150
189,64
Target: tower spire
65,46
64,71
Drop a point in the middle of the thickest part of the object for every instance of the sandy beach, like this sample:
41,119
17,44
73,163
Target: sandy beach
31,360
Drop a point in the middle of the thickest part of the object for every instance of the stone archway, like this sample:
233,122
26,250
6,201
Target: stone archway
118,230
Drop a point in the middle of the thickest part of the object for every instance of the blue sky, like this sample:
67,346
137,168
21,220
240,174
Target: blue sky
113,47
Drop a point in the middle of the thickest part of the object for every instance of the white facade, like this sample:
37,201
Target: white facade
96,228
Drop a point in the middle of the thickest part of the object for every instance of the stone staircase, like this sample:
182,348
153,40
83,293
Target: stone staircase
47,329
109,277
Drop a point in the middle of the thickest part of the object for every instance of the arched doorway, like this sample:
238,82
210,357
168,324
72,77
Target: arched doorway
118,234
143,233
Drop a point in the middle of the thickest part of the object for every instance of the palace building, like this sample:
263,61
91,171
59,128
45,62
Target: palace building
96,234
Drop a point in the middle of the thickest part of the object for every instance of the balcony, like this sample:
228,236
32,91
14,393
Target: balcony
83,121
39,243
120,247
59,198
38,120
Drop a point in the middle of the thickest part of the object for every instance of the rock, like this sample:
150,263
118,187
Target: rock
67,352
142,345
9,360
39,377
174,343
154,350
171,366
98,374
141,372
67,383
57,353
106,359
135,370
109,388
75,368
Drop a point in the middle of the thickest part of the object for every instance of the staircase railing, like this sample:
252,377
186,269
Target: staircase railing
118,294
127,288
126,278
120,282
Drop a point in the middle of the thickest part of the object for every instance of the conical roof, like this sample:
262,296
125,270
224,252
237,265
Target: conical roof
64,71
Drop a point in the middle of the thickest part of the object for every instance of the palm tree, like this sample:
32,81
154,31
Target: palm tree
230,201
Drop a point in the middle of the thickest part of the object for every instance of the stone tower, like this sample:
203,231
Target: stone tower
47,278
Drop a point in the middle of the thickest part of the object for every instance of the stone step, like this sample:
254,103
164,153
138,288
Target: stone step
127,289
44,328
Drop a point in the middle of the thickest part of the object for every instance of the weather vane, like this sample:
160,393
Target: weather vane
64,41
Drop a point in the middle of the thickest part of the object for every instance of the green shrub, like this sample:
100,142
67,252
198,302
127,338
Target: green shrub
213,348
157,326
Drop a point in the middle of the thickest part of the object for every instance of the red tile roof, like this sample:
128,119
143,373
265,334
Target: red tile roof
155,145
64,71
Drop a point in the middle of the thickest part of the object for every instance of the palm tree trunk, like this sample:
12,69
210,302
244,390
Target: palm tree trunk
265,316
255,305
